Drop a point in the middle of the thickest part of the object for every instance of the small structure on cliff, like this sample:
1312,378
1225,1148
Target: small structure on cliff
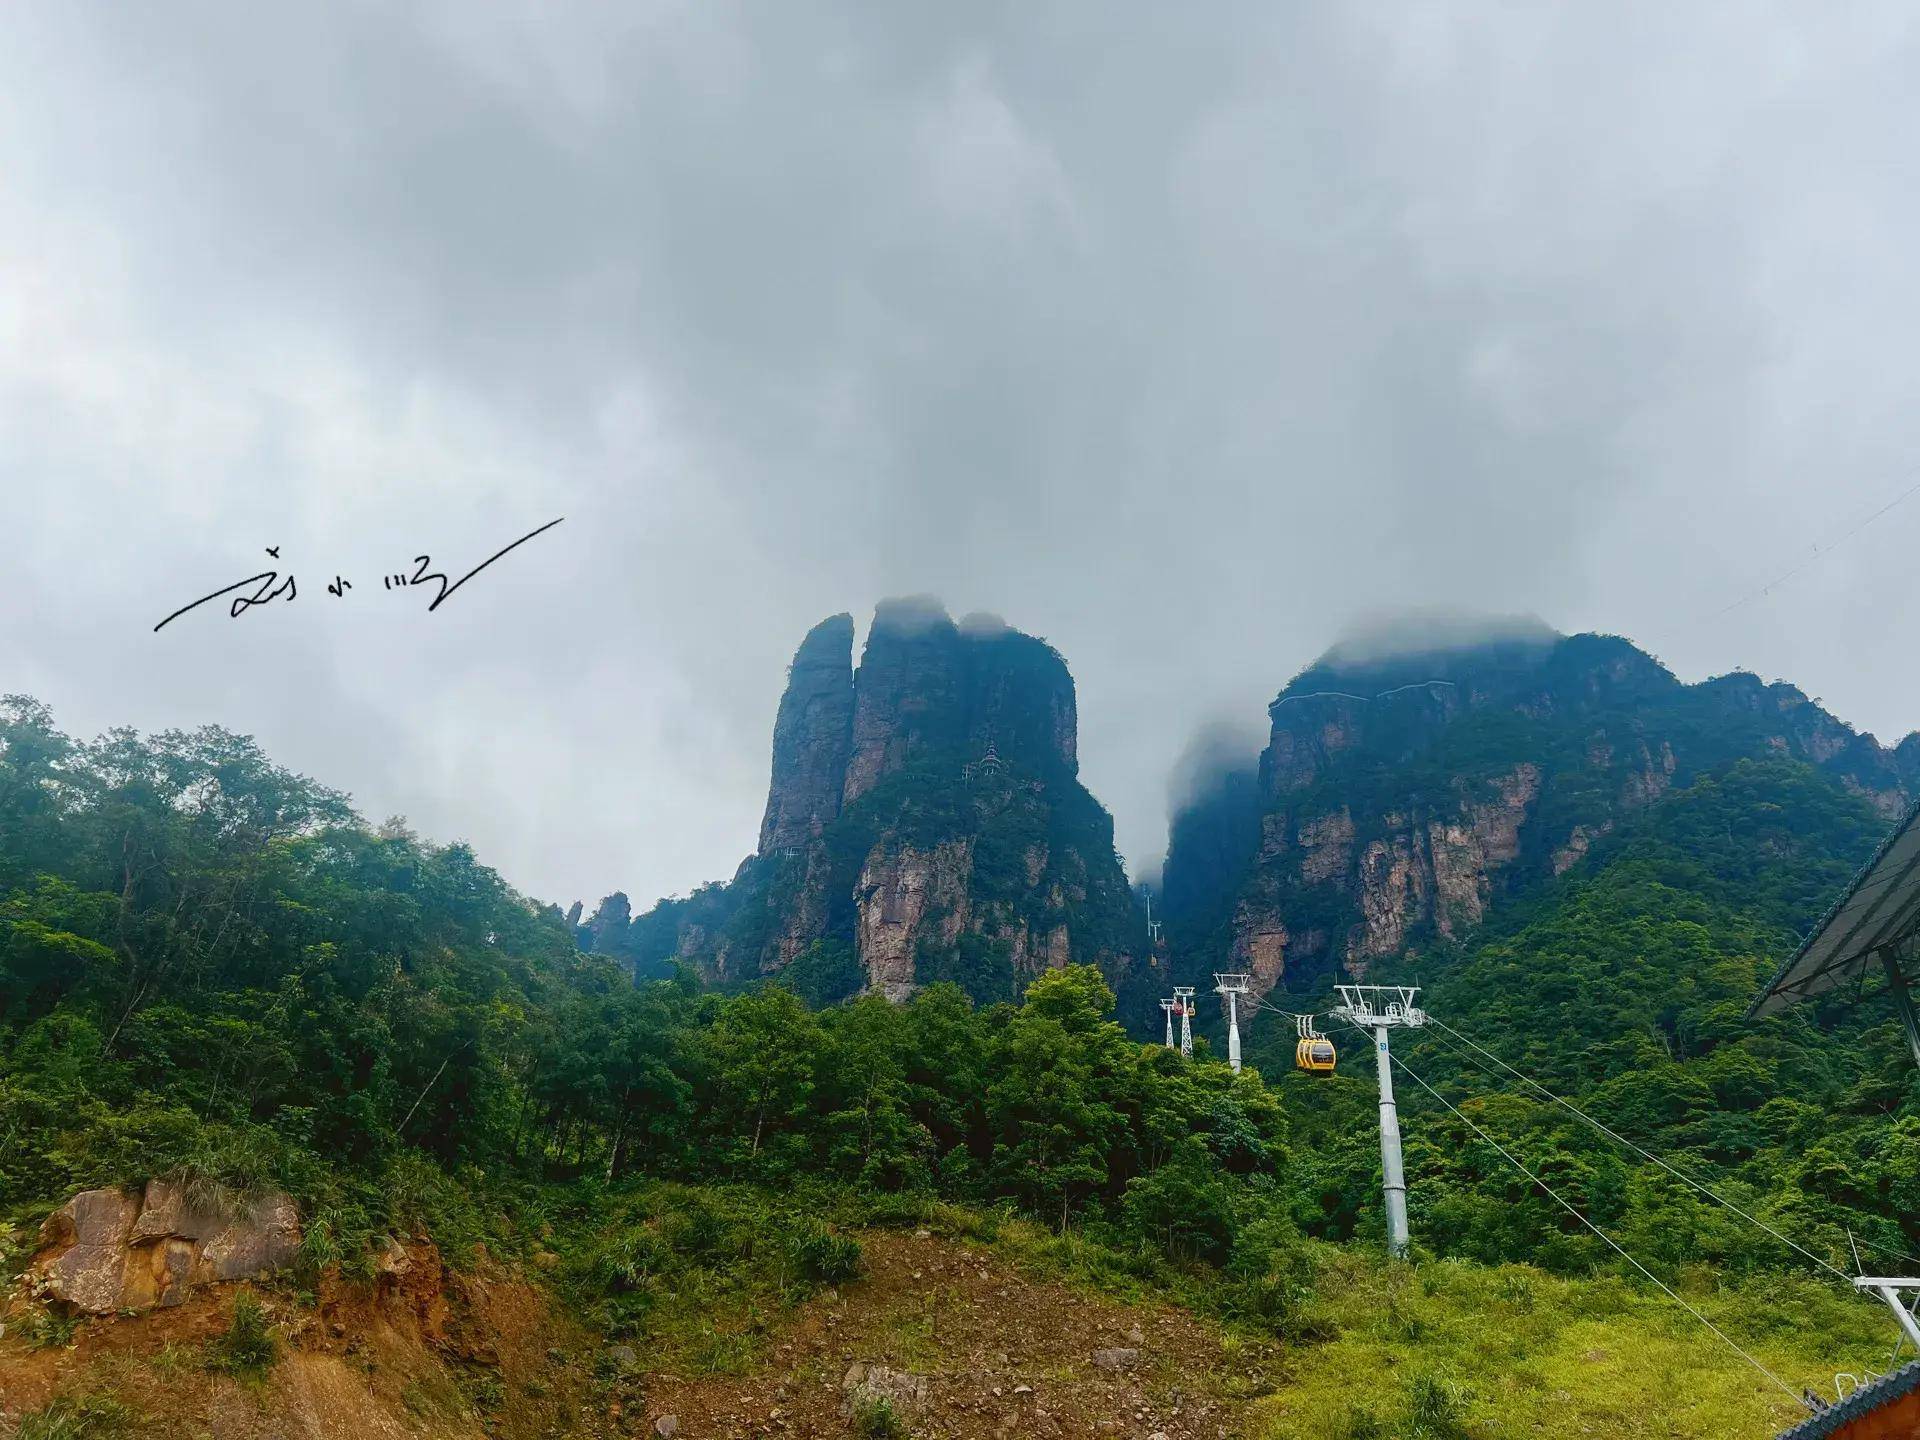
988,768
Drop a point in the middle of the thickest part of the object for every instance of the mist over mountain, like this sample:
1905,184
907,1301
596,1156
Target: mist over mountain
1377,637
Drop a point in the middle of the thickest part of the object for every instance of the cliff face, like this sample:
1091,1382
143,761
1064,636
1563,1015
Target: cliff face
811,738
1399,797
924,821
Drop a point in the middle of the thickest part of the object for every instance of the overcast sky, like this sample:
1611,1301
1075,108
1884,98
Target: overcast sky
1175,334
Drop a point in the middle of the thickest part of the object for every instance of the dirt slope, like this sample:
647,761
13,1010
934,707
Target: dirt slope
965,1343
1001,1355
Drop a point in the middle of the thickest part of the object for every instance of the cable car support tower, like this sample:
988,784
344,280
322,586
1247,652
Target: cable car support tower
1381,1008
1234,987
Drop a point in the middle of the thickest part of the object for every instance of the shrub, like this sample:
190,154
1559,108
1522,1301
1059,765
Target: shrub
249,1346
825,1258
50,1329
630,1260
1516,1288
1436,1408
701,1227
874,1418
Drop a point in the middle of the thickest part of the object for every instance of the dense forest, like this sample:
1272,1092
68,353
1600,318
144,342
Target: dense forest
209,964
210,968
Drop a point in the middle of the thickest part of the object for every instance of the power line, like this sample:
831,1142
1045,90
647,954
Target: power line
1646,1154
1640,1150
1568,1207
1817,555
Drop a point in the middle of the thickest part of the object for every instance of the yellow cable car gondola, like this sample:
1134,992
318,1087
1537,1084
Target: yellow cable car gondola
1314,1054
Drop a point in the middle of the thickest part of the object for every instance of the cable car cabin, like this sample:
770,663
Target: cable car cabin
1315,1054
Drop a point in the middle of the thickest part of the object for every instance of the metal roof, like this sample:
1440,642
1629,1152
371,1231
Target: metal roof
1881,907
1861,1402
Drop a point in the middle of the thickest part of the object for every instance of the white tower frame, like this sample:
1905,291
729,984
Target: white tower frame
1889,1289
1167,1005
1233,986
1381,1008
1183,997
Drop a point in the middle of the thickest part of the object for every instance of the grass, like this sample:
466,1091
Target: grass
702,1280
83,1417
1440,1350
701,1274
1449,1351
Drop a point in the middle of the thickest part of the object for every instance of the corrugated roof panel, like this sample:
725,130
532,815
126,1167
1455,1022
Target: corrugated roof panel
1858,1405
1880,908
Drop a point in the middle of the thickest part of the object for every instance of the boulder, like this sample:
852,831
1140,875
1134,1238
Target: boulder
167,1210
112,1250
90,1233
256,1243
1120,1357
905,1391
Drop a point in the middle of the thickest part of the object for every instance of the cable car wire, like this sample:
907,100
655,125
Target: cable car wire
1649,1155
1566,1205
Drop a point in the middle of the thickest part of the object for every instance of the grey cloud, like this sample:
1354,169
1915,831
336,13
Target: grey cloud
1180,338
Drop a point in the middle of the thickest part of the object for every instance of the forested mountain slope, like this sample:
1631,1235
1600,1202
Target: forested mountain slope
1621,986
1590,869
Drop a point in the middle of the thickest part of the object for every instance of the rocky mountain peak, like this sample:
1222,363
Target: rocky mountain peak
812,735
924,820
1413,776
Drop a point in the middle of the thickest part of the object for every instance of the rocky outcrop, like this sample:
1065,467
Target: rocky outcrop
609,921
1402,792
1466,852
107,1251
924,812
910,690
812,738
905,897
926,686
